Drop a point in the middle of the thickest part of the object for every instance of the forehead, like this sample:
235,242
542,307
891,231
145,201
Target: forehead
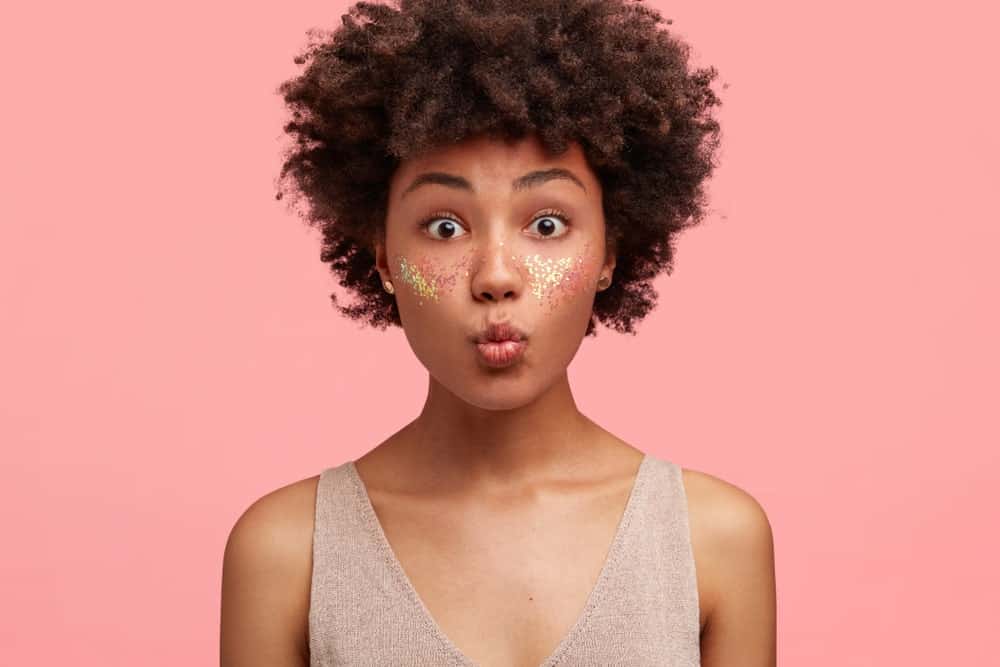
493,162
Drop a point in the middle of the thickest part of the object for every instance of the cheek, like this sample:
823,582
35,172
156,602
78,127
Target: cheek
556,282
429,279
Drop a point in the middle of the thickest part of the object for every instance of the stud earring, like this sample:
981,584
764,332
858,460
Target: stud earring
603,283
388,287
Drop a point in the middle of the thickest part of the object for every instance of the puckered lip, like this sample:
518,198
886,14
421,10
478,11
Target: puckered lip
495,332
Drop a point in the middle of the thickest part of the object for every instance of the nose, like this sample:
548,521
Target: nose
497,276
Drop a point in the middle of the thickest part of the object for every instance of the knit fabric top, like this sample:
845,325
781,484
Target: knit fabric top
643,610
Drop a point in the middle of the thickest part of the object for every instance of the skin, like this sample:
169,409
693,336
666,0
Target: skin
496,450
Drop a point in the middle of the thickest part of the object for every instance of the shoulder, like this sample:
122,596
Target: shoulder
267,568
278,521
734,551
723,513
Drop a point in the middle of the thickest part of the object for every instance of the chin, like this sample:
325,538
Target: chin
495,390
497,401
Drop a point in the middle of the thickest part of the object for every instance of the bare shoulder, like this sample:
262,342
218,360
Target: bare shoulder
266,573
289,510
734,553
725,513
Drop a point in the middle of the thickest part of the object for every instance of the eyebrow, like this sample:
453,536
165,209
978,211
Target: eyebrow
529,180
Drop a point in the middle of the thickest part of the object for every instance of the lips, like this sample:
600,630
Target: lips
502,354
500,344
498,332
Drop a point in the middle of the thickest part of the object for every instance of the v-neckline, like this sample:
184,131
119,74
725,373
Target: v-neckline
596,593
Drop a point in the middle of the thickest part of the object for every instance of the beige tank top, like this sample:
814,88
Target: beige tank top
643,610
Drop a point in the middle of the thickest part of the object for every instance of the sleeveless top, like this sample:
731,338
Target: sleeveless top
643,610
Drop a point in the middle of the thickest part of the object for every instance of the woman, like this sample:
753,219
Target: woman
493,177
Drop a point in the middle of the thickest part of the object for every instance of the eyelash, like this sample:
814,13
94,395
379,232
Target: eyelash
448,215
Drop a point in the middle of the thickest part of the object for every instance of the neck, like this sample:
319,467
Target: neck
486,446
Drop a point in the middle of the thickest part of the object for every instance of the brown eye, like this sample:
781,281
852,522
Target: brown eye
446,226
548,225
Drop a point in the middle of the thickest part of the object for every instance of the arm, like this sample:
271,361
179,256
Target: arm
266,581
735,551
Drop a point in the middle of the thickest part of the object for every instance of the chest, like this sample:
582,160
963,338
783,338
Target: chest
504,583
597,579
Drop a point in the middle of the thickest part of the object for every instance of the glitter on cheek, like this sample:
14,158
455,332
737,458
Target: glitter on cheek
460,267
417,276
551,280
430,279
558,280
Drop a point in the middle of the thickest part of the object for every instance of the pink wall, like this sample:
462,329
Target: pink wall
169,353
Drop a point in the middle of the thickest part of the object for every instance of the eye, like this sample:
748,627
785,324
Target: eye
549,221
449,227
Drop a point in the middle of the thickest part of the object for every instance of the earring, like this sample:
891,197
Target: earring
388,287
603,283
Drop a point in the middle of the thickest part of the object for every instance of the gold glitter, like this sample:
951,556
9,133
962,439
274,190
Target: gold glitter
549,279
412,276
546,273
427,280
555,279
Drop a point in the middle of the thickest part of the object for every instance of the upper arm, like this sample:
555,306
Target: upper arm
266,574
735,550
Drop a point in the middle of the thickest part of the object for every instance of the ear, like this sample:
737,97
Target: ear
610,259
381,261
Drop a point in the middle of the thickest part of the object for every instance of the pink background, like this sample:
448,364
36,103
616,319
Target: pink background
169,353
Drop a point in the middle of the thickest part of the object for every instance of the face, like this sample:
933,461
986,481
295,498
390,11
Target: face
491,231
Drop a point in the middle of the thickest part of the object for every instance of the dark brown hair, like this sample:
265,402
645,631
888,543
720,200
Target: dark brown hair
396,79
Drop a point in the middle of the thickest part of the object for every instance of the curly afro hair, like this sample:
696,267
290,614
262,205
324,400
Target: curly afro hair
396,79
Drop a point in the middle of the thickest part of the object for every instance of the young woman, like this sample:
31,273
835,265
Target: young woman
493,177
